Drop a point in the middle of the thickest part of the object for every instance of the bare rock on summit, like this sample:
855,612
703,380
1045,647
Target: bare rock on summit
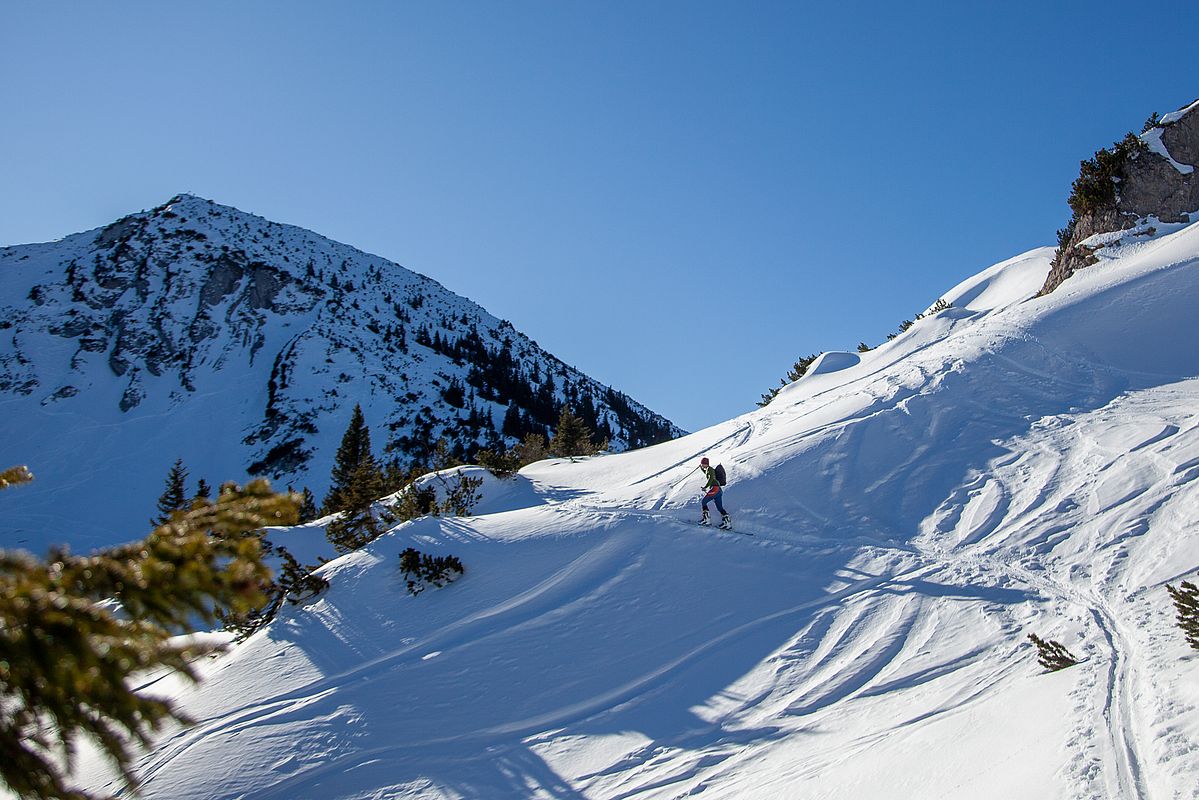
1151,175
1159,188
1181,138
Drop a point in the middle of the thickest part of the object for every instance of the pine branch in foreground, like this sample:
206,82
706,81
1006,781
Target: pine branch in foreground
68,661
14,476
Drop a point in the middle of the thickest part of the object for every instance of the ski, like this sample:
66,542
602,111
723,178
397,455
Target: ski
720,528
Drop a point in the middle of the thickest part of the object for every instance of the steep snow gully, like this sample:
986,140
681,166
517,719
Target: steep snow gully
1006,466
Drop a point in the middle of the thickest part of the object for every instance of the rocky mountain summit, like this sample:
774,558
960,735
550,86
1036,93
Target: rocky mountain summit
1134,186
252,341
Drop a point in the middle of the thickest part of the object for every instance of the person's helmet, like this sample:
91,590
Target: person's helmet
703,462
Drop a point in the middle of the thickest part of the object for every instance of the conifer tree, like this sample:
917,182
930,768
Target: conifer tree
571,438
357,525
308,510
506,463
1186,605
69,659
203,490
174,493
395,476
512,424
443,458
355,449
531,449
501,464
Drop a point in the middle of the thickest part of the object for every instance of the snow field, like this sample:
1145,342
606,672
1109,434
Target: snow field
1004,467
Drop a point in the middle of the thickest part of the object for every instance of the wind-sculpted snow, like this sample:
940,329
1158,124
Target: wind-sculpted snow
1004,467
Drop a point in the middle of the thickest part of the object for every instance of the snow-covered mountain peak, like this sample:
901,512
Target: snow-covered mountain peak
241,345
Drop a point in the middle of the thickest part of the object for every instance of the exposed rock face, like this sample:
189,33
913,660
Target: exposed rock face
1164,183
1181,137
1158,180
1073,255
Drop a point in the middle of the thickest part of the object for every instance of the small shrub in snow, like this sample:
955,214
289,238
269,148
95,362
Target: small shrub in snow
864,348
938,306
414,502
1186,603
1052,655
422,570
797,371
461,494
294,584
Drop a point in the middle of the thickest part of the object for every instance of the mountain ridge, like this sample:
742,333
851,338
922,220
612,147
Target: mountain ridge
170,308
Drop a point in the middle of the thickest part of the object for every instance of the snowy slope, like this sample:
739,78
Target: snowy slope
1006,466
240,345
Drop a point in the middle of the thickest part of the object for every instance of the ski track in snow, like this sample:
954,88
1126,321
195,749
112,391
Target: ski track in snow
914,516
1118,770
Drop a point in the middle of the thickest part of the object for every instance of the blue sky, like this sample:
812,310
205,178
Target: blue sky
679,198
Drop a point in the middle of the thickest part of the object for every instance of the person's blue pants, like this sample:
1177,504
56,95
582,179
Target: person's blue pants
714,496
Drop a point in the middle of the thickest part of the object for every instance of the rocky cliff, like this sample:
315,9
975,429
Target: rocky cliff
1136,183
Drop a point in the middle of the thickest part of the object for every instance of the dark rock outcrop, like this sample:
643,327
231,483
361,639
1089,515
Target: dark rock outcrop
1153,175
